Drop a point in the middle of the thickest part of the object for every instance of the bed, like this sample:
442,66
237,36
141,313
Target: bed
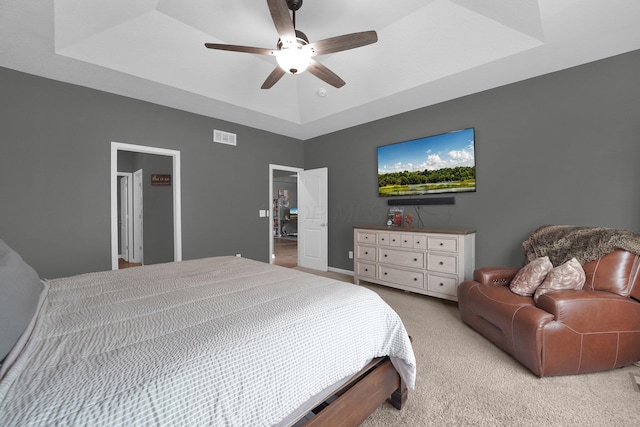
215,341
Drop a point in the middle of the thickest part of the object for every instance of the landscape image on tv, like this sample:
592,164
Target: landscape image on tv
442,163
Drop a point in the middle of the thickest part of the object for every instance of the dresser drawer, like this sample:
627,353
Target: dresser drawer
366,237
407,241
414,279
395,239
365,270
442,284
442,263
403,258
366,252
383,239
419,241
443,244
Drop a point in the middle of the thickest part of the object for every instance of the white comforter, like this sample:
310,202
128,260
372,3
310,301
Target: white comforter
217,341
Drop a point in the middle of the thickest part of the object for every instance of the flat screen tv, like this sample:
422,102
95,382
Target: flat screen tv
442,163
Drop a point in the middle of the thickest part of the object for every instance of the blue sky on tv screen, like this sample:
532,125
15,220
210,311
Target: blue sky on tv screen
447,150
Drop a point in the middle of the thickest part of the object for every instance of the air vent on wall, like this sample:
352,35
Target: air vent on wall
224,137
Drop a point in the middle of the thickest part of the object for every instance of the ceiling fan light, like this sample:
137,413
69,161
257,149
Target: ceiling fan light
294,60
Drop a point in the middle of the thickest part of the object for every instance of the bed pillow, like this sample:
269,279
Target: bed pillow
569,275
20,289
527,280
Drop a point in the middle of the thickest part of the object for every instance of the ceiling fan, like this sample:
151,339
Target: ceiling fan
294,53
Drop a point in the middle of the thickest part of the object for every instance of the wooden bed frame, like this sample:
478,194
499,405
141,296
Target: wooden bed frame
358,398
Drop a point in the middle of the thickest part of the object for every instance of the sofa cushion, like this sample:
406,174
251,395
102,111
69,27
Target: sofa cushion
569,275
617,272
531,276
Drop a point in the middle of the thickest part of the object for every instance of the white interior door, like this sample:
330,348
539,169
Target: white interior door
313,217
124,218
137,246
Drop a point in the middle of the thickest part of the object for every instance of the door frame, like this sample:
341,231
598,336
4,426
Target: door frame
177,196
272,168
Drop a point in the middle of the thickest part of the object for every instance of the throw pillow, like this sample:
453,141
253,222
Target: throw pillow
20,289
527,280
569,275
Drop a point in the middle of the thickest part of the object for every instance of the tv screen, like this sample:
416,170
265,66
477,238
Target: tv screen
442,163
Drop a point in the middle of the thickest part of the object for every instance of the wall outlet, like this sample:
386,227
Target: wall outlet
350,254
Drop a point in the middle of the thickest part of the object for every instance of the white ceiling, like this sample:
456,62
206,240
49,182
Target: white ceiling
428,51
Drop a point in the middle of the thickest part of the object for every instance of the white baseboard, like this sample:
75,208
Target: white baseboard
341,271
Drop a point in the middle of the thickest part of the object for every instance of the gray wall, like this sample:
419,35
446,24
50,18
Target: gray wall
55,141
563,148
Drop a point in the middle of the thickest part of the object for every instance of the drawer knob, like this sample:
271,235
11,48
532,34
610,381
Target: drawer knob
441,284
393,240
385,255
406,241
385,273
366,269
415,260
366,253
415,279
441,263
441,244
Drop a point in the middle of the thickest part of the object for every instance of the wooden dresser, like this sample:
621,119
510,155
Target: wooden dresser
426,261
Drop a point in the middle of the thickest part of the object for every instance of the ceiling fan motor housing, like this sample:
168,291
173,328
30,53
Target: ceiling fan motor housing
294,4
301,42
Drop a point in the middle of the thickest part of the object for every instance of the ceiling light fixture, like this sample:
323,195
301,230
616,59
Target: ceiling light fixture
294,57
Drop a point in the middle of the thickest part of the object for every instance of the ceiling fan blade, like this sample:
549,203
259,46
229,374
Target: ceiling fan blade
325,74
281,19
344,42
236,48
273,78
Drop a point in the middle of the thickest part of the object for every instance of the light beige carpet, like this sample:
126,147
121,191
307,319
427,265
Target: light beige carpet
464,380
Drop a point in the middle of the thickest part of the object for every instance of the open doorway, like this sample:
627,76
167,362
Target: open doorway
164,205
284,217
311,216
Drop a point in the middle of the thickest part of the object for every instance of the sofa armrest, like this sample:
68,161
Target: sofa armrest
495,275
592,311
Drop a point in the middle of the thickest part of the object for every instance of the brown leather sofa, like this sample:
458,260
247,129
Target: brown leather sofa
566,331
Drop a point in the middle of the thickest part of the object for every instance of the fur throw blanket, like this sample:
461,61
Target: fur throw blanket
563,242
